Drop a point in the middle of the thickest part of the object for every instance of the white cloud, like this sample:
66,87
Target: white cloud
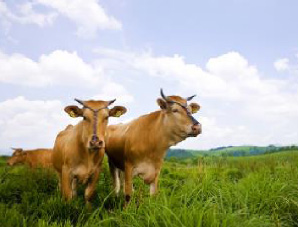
63,69
175,68
25,14
230,66
30,124
284,65
112,90
58,68
281,64
169,68
227,76
88,15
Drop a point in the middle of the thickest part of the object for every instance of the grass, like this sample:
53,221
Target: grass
212,191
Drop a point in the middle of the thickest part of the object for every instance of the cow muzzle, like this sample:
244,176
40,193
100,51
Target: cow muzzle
196,129
95,143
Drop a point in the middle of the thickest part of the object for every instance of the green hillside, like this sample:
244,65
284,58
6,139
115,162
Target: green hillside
235,151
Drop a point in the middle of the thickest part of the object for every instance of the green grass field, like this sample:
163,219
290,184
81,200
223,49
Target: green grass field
217,191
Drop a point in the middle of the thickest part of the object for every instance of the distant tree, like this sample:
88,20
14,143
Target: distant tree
173,159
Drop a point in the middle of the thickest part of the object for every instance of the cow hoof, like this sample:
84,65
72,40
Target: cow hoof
127,200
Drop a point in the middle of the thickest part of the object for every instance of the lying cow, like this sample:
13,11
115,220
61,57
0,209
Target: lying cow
138,147
33,158
79,150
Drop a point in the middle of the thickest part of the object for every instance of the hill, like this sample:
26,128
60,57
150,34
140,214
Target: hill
235,151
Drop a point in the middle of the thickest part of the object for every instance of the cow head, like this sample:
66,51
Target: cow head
180,116
18,156
95,116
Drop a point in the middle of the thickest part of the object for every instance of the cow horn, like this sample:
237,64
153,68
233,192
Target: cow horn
163,95
79,101
190,98
111,102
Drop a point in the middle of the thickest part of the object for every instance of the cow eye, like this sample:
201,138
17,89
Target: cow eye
175,110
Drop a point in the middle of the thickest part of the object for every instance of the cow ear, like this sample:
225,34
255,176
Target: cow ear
162,103
117,111
17,151
74,111
194,107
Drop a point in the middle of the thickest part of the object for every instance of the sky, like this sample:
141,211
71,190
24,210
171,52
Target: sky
240,57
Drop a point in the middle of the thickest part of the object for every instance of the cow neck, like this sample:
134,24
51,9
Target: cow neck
172,135
166,136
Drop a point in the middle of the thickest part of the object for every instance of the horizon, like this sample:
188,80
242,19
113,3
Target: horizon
243,68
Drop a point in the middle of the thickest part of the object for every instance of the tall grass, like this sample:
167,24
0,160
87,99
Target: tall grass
215,191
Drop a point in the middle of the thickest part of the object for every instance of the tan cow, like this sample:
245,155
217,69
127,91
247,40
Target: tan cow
138,147
79,150
34,158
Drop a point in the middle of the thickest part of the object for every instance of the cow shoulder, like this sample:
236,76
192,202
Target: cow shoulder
65,132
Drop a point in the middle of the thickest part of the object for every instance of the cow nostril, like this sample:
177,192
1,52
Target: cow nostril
96,143
95,138
197,128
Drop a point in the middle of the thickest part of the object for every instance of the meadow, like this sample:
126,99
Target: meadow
206,191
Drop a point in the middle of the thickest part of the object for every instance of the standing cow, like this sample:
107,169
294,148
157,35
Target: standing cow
34,158
138,147
79,150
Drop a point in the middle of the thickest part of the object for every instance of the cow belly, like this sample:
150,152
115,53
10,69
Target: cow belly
146,171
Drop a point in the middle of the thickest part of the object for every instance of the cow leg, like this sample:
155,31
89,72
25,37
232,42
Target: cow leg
91,187
154,185
128,182
59,181
117,183
115,173
66,183
74,184
122,182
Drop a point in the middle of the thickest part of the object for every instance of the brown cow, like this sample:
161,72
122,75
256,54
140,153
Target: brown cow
34,158
138,147
79,150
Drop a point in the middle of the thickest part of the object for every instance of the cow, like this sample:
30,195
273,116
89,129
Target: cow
79,150
137,148
33,158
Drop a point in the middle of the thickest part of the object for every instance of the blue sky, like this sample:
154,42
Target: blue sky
238,56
